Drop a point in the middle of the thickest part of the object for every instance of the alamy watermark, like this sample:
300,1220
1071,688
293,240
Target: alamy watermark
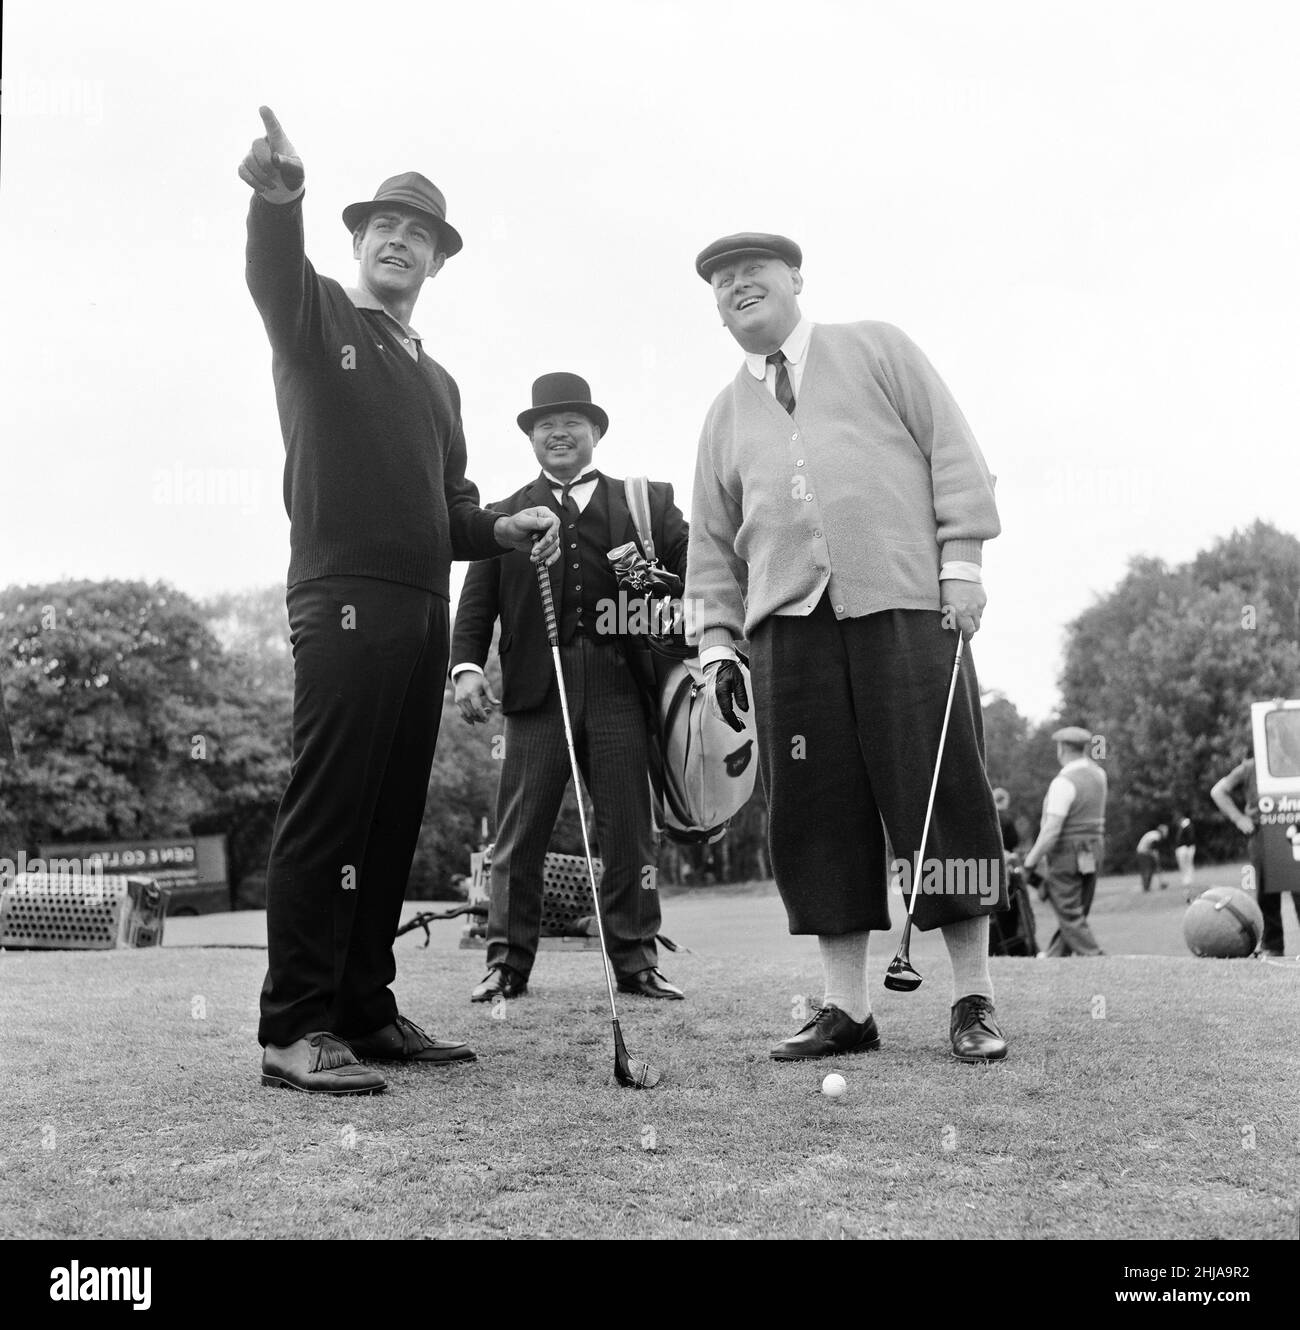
632,615
62,97
210,486
949,877
71,874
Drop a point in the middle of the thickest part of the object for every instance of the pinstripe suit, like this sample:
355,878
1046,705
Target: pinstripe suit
604,682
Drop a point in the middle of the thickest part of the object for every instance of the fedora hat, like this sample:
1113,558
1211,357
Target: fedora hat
746,242
411,190
561,392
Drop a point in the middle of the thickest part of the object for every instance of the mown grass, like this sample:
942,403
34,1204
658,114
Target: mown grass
1142,1098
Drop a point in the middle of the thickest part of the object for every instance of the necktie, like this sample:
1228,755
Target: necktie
567,501
784,392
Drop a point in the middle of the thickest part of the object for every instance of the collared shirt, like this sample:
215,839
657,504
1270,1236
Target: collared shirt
411,339
795,349
580,491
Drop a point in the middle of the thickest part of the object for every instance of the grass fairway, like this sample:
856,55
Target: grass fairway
1144,1096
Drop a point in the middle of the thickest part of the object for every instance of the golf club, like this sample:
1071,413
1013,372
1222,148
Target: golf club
902,976
628,1071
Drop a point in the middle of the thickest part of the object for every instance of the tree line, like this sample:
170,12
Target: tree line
139,712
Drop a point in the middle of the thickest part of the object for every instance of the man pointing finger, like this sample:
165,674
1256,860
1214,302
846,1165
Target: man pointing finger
379,506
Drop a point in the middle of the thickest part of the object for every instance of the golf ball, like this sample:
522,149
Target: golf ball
834,1085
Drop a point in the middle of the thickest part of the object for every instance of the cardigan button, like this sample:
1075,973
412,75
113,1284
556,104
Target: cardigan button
807,498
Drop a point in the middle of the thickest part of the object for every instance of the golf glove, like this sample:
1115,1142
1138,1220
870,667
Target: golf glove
725,690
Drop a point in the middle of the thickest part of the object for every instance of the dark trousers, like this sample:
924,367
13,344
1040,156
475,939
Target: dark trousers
369,663
1270,904
1148,867
1070,894
610,740
848,714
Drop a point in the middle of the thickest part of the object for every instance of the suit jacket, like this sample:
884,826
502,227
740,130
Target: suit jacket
506,588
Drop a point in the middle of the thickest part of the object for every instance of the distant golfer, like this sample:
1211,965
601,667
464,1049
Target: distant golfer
603,678
840,502
1071,843
378,504
1148,855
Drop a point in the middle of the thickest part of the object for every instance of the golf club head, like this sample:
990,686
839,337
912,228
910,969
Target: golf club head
902,976
630,1072
635,1075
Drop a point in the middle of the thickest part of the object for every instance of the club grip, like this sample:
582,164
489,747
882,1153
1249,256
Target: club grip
548,604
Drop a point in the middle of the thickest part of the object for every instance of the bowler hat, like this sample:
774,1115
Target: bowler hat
561,392
1074,735
746,242
413,191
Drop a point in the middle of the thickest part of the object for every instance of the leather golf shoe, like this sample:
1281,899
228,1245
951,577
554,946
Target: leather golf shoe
404,1041
974,1030
650,983
319,1063
830,1031
500,982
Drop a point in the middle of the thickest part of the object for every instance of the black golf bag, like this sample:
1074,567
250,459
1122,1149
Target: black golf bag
1011,931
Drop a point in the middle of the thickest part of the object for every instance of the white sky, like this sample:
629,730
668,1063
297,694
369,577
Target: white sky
1085,214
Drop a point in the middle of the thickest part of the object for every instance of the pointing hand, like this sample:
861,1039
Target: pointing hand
272,166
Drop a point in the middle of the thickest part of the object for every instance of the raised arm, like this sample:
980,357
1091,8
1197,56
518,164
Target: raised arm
282,282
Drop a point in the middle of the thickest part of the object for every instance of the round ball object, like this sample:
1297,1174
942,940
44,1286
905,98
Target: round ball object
1223,922
834,1085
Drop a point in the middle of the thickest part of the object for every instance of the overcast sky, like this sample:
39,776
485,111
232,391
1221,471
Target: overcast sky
1085,214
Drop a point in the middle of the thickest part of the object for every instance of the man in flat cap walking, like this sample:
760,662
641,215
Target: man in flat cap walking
379,505
1071,843
604,683
840,509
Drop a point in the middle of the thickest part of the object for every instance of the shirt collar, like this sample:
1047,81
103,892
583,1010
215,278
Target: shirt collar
593,474
363,300
795,347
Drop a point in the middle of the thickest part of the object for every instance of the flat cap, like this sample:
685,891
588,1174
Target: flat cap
746,242
1073,734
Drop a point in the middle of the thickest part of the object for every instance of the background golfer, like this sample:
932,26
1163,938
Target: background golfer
840,501
1071,843
378,503
605,703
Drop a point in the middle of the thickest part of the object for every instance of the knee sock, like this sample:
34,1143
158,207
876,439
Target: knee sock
844,964
968,949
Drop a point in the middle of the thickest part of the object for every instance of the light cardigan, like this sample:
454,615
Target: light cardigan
873,483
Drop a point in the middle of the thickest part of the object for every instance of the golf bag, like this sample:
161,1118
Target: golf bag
701,770
1012,930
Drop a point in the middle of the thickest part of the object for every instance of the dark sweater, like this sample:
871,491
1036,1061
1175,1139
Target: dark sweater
374,472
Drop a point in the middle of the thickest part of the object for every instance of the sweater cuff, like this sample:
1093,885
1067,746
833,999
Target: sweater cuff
716,637
962,551
282,211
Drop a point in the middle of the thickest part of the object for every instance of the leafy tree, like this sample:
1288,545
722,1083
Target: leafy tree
109,684
1020,758
1165,669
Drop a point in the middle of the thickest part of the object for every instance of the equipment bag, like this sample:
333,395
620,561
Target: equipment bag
701,770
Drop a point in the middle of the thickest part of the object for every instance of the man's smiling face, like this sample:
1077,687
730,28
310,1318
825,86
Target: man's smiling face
757,296
564,442
397,251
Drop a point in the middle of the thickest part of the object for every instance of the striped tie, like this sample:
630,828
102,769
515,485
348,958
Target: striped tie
784,392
